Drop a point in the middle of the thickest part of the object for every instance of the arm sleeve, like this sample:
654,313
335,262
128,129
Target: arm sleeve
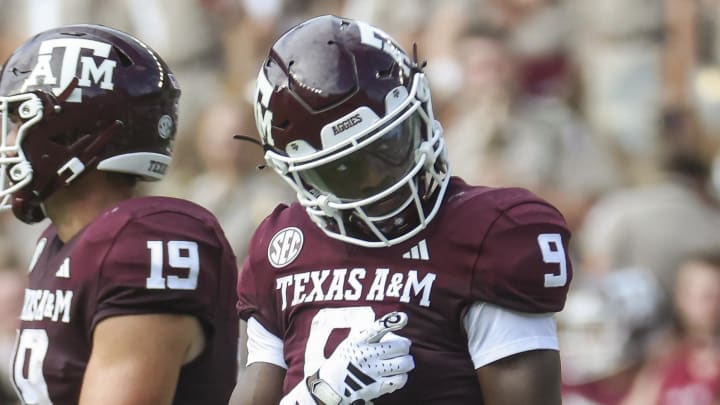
162,263
263,346
495,332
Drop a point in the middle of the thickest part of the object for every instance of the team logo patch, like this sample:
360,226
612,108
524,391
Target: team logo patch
285,247
418,251
165,127
64,270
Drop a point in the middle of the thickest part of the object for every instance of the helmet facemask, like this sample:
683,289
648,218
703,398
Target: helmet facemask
17,115
377,181
42,151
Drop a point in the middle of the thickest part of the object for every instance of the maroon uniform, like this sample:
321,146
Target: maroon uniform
146,255
502,246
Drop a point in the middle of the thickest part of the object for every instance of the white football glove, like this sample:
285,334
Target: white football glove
365,365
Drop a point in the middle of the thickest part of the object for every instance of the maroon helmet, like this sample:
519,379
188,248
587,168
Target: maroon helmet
77,98
346,118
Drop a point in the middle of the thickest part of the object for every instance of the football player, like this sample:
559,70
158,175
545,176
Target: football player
345,117
130,299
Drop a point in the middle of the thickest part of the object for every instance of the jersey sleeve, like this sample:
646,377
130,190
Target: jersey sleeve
166,262
523,262
256,283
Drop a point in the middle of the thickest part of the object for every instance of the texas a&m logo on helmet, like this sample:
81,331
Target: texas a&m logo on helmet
94,69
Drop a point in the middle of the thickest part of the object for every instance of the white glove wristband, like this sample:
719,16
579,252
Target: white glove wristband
322,391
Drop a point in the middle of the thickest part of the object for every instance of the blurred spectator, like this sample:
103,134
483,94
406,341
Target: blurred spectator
618,45
685,367
514,121
654,226
18,240
187,32
605,331
12,288
610,109
11,27
220,173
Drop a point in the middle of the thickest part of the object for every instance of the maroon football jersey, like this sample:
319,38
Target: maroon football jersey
503,246
145,255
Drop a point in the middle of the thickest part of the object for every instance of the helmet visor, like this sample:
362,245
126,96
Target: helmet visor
372,169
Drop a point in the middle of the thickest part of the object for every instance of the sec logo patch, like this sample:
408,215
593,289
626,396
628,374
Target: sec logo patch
285,247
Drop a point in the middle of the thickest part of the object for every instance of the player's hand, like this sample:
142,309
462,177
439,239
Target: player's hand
365,365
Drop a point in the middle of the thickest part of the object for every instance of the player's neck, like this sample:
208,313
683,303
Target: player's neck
74,207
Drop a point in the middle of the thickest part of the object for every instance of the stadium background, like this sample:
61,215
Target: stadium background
609,109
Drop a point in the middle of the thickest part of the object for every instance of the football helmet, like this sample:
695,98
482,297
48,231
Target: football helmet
345,117
77,98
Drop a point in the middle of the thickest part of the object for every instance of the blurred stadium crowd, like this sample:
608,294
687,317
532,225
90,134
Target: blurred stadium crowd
608,109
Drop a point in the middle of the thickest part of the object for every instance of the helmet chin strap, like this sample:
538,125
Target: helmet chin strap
88,156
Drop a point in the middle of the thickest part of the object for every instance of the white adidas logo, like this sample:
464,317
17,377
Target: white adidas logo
418,252
64,270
